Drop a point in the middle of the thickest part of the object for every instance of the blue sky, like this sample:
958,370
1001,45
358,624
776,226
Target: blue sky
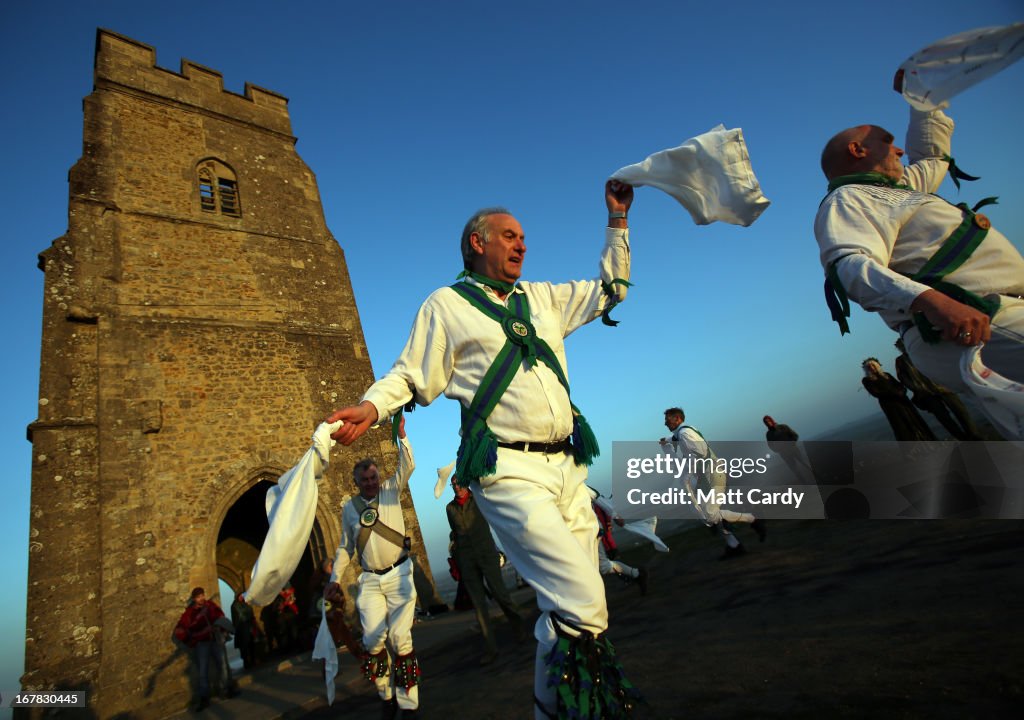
414,114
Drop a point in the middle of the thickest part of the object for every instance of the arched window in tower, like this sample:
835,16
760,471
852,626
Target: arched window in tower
218,188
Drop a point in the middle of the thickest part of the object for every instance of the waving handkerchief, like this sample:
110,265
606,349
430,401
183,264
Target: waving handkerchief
1002,399
324,649
291,509
442,478
709,175
949,66
647,529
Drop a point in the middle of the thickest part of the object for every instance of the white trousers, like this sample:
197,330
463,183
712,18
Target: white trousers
711,512
539,508
387,607
731,516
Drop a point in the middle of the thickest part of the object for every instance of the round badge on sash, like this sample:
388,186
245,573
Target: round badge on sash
369,517
518,330
982,222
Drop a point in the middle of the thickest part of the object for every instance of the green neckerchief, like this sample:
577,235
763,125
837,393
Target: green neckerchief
506,288
875,178
499,285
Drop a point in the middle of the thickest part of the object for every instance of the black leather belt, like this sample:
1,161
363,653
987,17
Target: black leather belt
389,568
562,446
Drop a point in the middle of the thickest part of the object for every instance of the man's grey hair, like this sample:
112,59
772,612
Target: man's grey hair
361,466
478,224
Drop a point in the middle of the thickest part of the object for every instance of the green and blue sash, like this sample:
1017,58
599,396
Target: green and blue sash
478,451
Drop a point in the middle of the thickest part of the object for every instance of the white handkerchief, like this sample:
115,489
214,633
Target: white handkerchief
322,440
951,65
1002,399
442,478
709,175
291,510
324,649
646,529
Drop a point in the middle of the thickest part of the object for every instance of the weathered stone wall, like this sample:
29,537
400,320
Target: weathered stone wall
185,355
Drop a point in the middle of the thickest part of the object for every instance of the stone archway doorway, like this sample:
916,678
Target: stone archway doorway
239,540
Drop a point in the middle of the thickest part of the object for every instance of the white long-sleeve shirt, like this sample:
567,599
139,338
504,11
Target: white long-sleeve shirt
691,441
879,234
378,553
452,345
688,443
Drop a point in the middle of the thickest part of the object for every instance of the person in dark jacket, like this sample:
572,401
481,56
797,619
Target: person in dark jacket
907,424
931,397
242,617
198,629
477,559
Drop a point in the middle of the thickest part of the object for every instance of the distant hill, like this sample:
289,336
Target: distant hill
872,427
875,427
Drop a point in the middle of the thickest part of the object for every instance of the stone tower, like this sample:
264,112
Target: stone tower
198,321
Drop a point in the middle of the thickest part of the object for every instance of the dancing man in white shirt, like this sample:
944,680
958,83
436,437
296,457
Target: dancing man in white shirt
686,440
496,345
938,274
372,525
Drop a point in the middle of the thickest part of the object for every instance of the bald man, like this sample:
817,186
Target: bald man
938,274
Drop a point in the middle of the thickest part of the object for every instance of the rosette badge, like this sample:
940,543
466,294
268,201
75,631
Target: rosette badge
368,517
518,330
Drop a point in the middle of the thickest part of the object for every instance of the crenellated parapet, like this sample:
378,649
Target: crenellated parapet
130,64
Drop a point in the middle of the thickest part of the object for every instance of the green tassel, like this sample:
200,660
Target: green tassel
477,458
868,178
584,444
